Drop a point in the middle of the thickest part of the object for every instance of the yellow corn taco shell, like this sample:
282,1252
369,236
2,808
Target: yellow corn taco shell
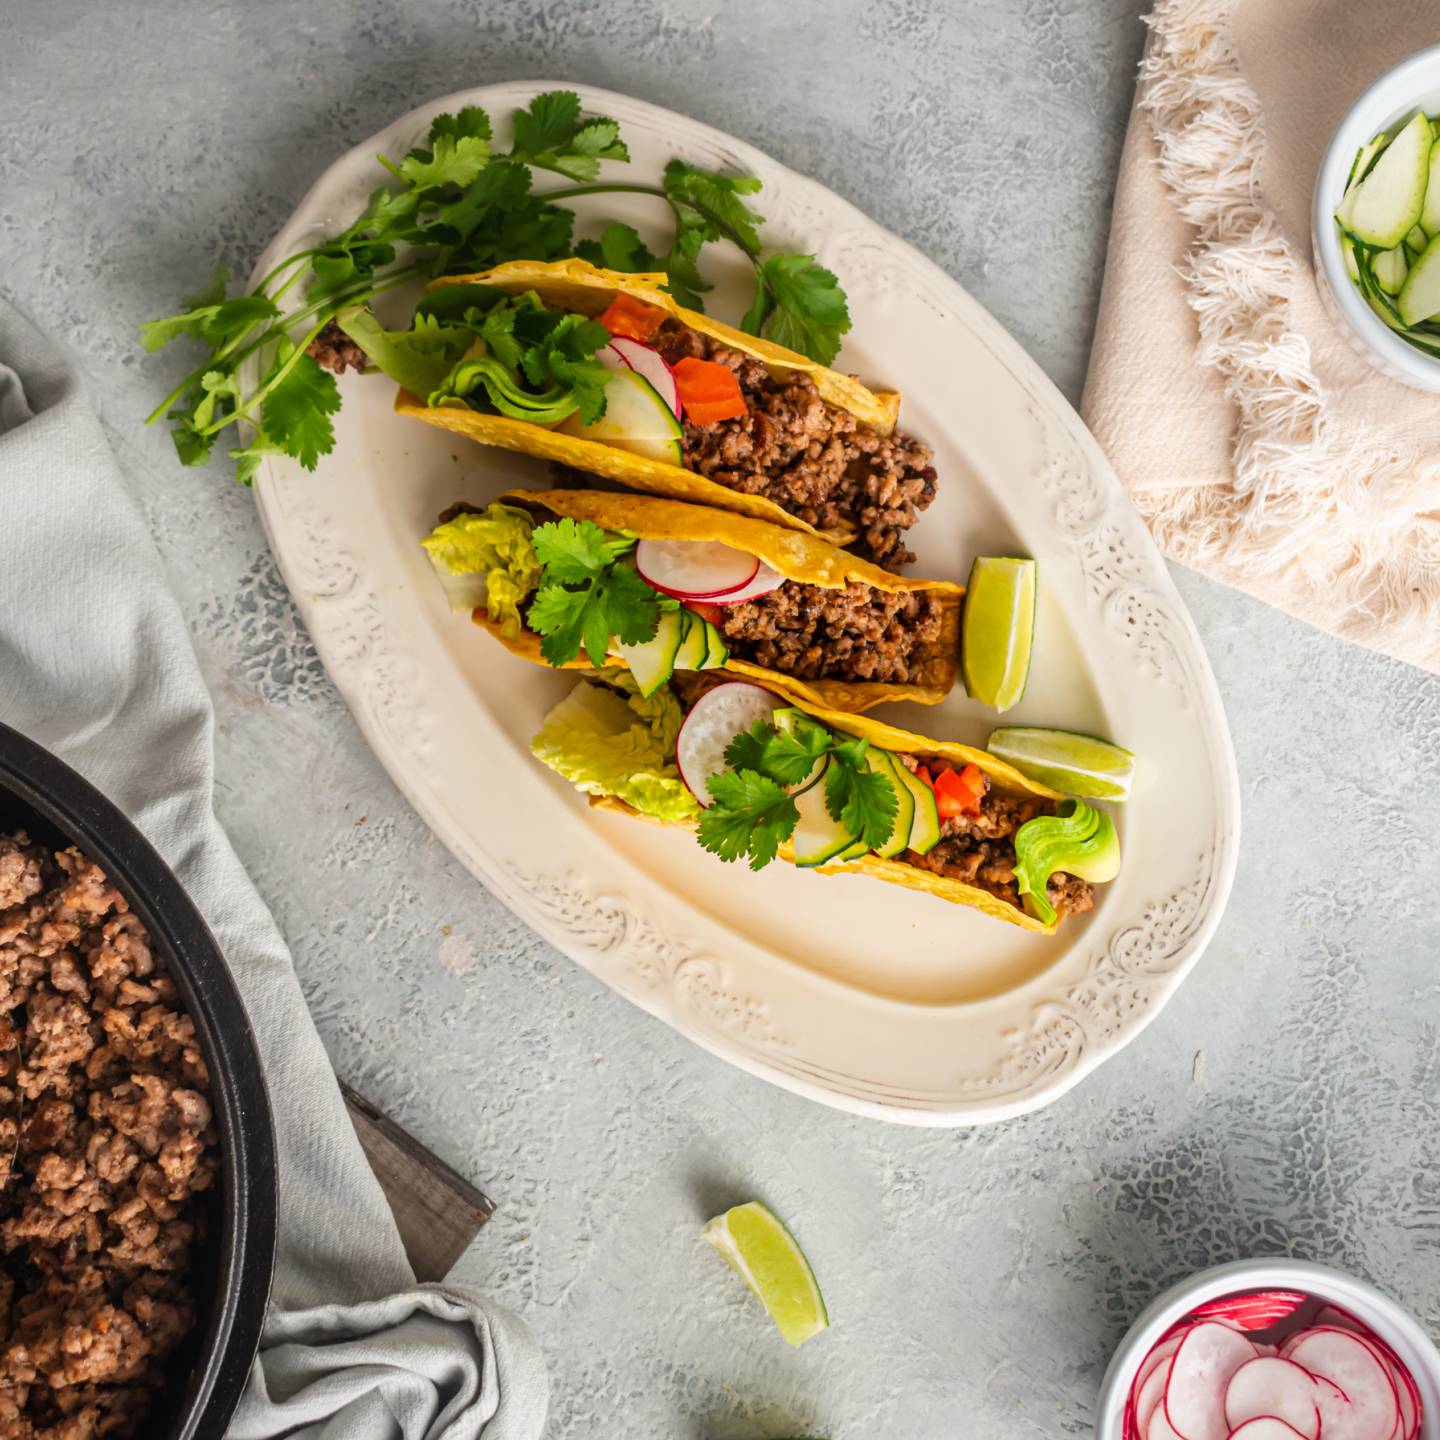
795,554
886,737
576,285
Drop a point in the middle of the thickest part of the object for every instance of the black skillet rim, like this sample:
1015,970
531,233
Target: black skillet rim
245,1262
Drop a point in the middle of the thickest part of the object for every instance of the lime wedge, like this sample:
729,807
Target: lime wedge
1074,764
763,1253
999,629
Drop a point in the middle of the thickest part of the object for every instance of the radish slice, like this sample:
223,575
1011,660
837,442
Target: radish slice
1150,1395
1341,1319
646,360
1270,1386
1371,1408
1409,1397
695,569
1265,1427
1256,1311
1195,1393
715,719
1160,1427
764,582
1154,1360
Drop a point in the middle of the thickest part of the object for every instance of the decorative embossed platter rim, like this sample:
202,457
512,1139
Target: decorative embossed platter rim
419,690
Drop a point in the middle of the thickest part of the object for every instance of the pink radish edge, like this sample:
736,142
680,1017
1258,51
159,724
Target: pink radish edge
1208,1356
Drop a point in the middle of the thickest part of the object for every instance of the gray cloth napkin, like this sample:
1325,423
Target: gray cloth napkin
96,665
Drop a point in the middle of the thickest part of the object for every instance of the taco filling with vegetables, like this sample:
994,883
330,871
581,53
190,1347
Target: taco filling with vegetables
769,779
587,577
606,373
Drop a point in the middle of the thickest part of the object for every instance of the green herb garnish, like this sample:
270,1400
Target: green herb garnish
461,208
754,809
588,593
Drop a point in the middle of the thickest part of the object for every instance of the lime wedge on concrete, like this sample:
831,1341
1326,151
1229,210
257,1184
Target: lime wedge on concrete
765,1256
999,629
1073,764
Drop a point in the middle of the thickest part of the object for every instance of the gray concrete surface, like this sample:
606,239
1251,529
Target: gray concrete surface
1286,1101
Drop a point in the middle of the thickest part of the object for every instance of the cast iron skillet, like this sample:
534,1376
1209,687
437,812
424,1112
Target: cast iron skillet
232,1272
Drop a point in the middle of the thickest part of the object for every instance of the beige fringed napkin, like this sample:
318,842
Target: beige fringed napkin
1260,448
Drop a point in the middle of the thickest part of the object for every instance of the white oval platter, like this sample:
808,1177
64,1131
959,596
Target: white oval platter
860,995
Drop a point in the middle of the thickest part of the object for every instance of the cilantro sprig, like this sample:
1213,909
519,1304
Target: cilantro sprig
588,593
754,809
460,205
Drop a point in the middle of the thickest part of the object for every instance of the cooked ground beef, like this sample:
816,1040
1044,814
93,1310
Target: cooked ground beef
979,848
106,1140
858,633
812,459
332,349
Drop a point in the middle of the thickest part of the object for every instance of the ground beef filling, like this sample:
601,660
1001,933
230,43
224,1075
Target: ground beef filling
858,633
106,1140
978,848
812,459
332,349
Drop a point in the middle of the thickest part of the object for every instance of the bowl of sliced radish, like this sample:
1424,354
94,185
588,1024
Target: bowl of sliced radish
1375,223
1272,1350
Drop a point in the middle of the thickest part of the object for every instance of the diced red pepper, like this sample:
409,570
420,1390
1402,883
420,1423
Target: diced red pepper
713,613
625,315
924,774
709,391
959,791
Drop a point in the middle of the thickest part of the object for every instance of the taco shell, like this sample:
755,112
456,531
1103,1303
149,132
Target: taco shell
887,737
795,554
579,286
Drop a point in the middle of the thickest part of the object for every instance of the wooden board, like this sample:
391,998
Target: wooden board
438,1211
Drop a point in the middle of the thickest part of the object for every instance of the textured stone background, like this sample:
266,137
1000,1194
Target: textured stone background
1286,1101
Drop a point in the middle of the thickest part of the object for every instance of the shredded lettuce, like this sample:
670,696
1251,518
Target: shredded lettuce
606,743
487,558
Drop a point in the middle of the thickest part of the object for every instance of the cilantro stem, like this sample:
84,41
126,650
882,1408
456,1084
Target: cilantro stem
618,187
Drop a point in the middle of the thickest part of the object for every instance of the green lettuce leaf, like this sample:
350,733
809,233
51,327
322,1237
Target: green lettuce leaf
487,559
606,743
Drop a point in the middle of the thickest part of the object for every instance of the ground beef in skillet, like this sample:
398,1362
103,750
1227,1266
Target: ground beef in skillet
979,849
812,459
106,1140
858,633
332,349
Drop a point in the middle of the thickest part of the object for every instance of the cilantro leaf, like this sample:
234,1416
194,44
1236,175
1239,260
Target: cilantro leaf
787,758
619,248
500,185
585,596
298,409
750,815
807,313
454,160
247,461
715,201
861,799
557,615
548,122
574,551
470,122
212,323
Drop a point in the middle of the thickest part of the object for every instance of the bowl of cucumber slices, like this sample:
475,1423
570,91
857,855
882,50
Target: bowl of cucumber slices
1376,223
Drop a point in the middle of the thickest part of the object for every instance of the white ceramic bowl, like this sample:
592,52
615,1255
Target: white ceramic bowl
1413,84
1394,1324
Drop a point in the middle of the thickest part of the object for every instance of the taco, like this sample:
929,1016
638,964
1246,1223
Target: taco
585,578
661,399
756,773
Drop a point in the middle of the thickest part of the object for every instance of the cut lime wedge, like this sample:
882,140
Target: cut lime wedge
999,629
1073,764
765,1256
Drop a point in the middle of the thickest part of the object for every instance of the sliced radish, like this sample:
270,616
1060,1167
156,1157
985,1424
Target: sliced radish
1157,1357
715,719
695,569
1256,1311
1342,1319
764,582
1208,1356
1270,1386
1150,1395
646,360
1160,1427
1371,1408
1265,1427
1409,1396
